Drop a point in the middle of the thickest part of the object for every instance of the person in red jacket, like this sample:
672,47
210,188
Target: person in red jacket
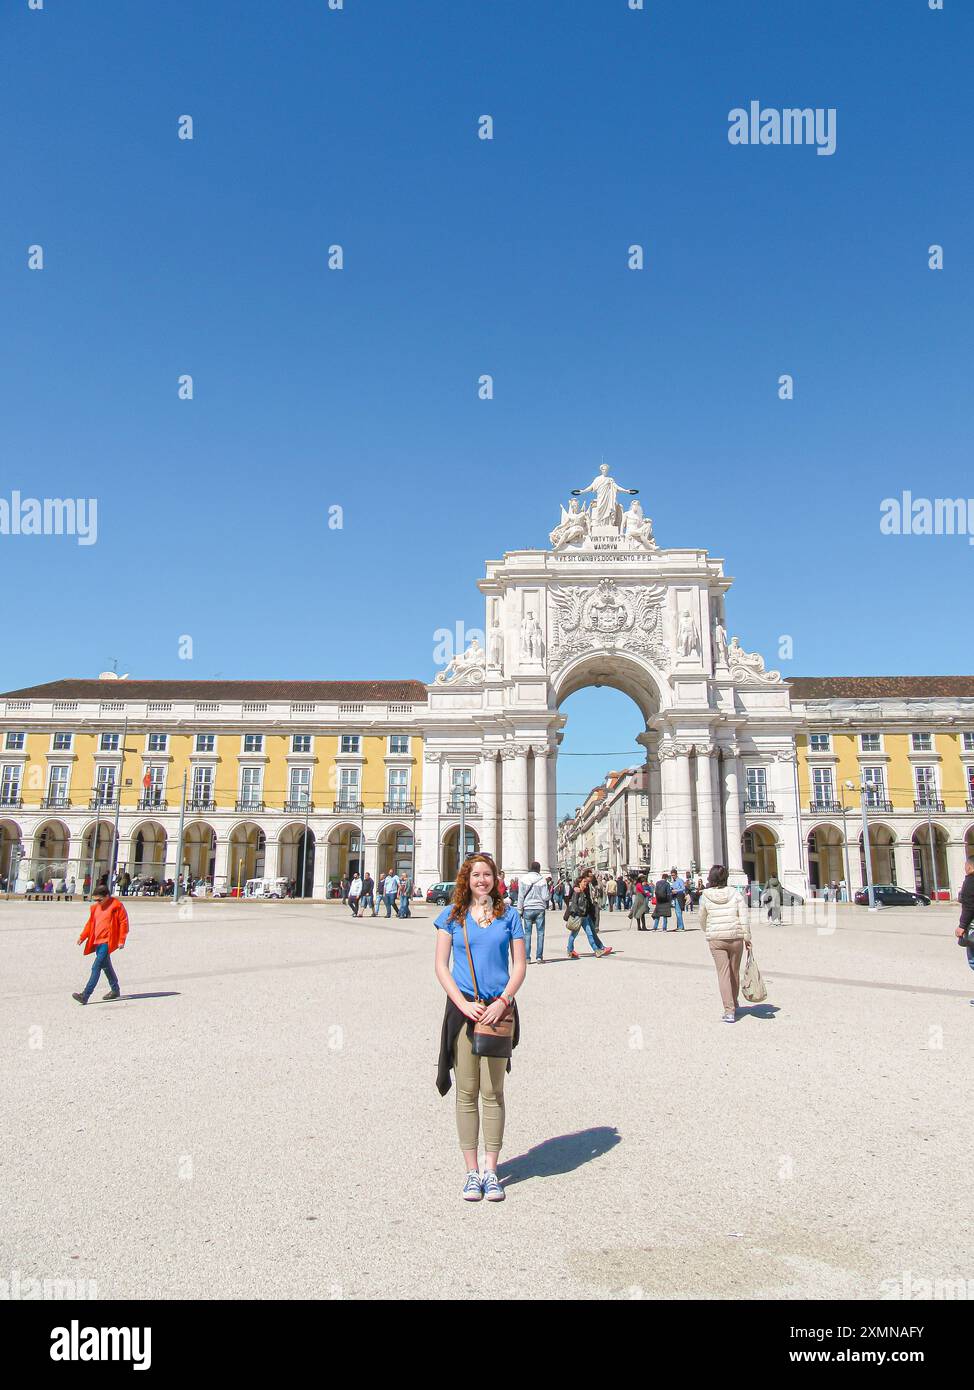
105,932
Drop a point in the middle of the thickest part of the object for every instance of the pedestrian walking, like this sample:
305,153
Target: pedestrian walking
486,939
354,894
663,907
532,902
583,906
640,905
678,889
771,898
390,887
964,931
105,931
405,886
724,921
368,893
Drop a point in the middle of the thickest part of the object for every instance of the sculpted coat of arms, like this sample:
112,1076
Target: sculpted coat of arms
608,616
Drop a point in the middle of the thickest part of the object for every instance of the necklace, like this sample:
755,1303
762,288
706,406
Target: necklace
483,914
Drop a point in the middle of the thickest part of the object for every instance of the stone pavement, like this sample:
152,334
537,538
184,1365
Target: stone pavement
257,1116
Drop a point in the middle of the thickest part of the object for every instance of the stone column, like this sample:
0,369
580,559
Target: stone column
551,763
675,763
428,824
220,861
656,852
956,859
487,802
271,857
515,832
542,848
718,812
732,806
705,807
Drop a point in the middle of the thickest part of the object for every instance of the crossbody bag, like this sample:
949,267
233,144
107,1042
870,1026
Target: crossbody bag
489,1039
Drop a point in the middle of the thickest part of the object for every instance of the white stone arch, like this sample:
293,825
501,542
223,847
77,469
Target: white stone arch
345,847
449,845
200,843
246,851
11,840
386,842
827,863
147,856
50,854
297,847
635,676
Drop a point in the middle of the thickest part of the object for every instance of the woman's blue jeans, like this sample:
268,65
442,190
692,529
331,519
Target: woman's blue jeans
593,940
102,961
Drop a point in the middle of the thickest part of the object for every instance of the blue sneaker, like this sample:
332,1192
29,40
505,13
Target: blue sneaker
492,1187
473,1188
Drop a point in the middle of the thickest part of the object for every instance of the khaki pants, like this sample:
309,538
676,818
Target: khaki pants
483,1077
727,958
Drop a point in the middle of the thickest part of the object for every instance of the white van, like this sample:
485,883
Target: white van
265,888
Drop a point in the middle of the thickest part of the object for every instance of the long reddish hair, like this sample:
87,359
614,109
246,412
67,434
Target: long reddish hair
462,893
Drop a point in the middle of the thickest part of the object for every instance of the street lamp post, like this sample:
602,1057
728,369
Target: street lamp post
933,854
118,806
866,850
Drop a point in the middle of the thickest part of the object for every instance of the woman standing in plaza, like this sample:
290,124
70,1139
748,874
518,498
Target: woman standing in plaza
486,939
724,921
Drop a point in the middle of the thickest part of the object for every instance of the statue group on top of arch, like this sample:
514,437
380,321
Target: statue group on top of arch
603,519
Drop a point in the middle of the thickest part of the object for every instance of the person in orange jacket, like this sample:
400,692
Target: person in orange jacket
105,932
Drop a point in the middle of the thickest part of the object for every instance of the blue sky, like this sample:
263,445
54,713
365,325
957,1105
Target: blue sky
359,388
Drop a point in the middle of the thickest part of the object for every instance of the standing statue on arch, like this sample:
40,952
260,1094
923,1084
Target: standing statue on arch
606,510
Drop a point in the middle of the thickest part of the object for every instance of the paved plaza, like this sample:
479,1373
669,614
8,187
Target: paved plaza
257,1118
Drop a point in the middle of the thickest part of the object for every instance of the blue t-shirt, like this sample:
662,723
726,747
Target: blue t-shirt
490,948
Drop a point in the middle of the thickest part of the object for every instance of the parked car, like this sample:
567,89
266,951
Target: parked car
888,895
440,894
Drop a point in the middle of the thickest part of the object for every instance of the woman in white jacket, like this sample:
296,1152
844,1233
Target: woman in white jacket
723,918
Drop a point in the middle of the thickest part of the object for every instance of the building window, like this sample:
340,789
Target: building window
203,781
15,743
874,780
253,743
398,743
61,743
870,743
969,742
109,743
57,784
820,743
105,788
157,743
922,743
926,783
351,743
153,794
970,783
398,785
299,783
757,787
250,782
823,793
348,785
206,743
10,785
300,743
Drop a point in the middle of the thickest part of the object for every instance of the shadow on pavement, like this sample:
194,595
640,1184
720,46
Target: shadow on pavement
757,1011
162,994
563,1154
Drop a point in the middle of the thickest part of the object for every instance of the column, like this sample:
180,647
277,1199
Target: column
515,824
487,802
221,859
906,876
720,854
732,807
319,885
654,853
428,824
663,845
682,819
271,856
705,807
542,847
956,859
551,763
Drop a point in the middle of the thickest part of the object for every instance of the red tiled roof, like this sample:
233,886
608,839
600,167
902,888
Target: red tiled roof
296,691
879,687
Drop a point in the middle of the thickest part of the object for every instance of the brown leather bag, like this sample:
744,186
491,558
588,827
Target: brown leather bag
489,1039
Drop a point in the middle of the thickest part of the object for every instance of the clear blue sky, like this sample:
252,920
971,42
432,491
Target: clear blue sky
462,256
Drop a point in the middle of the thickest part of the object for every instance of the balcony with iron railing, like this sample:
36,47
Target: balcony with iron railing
824,807
12,800
55,803
754,804
153,803
247,803
928,803
102,801
398,807
345,806
299,806
879,803
455,805
200,803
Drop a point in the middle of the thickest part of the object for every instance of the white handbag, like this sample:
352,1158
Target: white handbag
753,988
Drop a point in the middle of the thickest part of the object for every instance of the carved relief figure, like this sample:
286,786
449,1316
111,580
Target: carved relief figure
638,529
606,509
573,528
749,665
531,639
687,635
468,665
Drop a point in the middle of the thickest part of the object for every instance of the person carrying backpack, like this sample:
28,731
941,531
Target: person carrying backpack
664,903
